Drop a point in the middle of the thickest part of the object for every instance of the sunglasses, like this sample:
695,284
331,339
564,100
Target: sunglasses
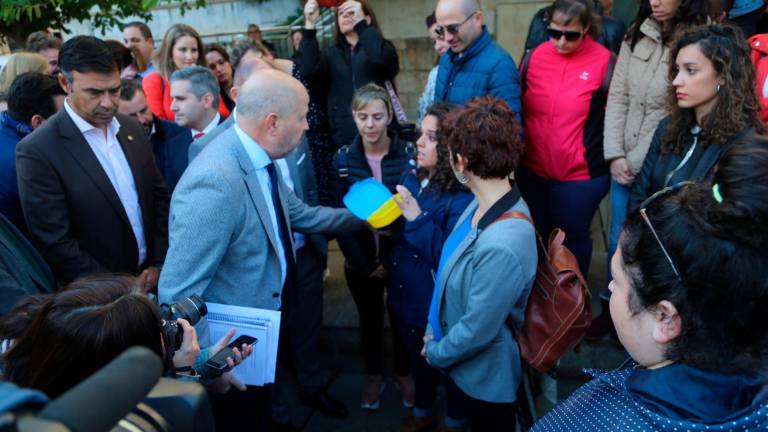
570,36
643,213
452,28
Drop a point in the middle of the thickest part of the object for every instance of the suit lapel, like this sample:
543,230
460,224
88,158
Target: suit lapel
293,170
129,144
254,188
74,142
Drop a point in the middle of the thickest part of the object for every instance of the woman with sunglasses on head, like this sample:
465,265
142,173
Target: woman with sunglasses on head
432,201
689,296
565,85
636,105
486,268
359,55
713,103
181,48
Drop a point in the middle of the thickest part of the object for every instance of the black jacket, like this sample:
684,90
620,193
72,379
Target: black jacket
344,70
658,166
73,212
611,36
350,167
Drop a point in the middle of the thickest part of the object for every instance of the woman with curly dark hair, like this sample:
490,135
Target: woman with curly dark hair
486,268
432,201
689,301
713,102
636,105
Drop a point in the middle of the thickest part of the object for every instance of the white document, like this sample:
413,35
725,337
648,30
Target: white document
263,324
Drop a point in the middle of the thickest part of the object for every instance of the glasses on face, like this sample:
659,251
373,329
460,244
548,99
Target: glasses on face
452,28
570,36
643,213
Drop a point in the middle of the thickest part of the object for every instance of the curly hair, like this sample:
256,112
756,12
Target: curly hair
443,177
737,107
485,132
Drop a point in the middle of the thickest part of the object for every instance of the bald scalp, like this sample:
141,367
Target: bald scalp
248,67
269,91
465,7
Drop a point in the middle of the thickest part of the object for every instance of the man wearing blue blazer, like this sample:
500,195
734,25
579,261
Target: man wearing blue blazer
231,222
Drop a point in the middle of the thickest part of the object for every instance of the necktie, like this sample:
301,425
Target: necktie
198,135
285,237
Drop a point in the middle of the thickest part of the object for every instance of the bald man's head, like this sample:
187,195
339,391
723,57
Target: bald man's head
272,109
460,21
248,67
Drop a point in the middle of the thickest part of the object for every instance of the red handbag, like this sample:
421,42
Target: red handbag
559,311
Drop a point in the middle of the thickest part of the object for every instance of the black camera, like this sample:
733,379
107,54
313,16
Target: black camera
191,309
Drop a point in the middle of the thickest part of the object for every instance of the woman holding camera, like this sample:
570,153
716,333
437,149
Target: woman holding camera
689,297
713,103
486,269
86,326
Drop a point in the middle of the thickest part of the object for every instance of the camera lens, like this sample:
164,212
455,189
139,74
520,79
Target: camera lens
191,309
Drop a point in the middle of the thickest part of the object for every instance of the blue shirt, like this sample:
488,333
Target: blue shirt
451,243
261,160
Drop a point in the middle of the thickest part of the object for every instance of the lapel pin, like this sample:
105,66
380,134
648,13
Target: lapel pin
130,137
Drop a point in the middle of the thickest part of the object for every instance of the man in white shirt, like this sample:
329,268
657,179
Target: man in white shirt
90,192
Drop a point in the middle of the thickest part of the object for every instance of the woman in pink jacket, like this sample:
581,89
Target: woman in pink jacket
565,88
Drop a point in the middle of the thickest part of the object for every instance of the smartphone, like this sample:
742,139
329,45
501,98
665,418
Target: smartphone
242,339
216,365
330,3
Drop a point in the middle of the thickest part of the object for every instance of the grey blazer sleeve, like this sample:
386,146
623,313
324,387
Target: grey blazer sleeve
203,214
496,283
317,219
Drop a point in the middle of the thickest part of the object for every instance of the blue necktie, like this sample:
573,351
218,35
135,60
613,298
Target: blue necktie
285,237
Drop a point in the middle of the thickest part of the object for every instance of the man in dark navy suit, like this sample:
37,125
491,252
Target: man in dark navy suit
133,103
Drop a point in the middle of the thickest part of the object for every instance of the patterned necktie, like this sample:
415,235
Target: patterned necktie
198,135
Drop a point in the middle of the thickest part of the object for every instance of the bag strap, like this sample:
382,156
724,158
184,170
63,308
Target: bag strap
402,118
608,75
342,161
524,63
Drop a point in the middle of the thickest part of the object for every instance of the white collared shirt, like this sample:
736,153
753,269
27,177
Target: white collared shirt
211,126
112,160
261,160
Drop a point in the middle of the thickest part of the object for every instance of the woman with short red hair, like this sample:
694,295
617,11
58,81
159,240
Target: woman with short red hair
486,269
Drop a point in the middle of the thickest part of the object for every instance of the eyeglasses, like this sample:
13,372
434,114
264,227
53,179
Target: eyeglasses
570,36
452,28
643,213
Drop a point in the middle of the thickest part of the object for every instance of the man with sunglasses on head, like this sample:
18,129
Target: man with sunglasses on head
475,65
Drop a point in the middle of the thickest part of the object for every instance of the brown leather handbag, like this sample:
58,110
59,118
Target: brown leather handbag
559,311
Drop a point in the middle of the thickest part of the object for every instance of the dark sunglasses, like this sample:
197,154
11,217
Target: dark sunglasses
452,28
643,212
570,36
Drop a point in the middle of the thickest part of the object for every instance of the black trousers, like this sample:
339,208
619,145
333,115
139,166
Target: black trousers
250,410
485,416
368,295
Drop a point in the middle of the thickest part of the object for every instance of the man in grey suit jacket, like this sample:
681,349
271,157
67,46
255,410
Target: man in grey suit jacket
228,217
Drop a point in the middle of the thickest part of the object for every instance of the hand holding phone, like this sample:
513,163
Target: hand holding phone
311,14
220,362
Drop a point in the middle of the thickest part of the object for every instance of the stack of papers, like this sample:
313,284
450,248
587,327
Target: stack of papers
263,324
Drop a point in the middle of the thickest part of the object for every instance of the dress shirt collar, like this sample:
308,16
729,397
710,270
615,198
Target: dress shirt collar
259,158
211,126
83,125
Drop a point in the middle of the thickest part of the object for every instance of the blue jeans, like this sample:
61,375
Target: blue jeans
619,203
568,205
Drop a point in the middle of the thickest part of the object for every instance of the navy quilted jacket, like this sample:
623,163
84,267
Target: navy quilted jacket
484,68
